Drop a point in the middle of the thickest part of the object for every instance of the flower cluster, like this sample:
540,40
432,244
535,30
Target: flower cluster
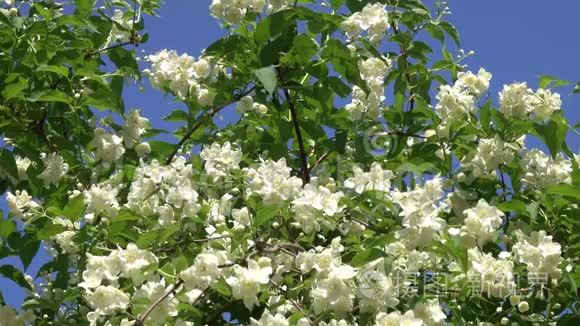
101,278
373,71
220,160
234,11
420,209
376,179
372,18
457,102
110,147
489,155
520,102
167,192
182,75
425,313
541,170
272,181
247,104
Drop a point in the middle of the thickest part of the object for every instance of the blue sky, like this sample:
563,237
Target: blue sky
515,40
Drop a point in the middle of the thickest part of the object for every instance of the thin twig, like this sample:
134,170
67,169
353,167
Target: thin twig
303,157
405,55
118,45
201,121
320,159
168,292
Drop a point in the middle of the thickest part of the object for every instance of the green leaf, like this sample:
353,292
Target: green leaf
553,133
515,205
75,208
8,163
6,227
84,7
60,70
15,275
15,89
576,89
27,249
177,115
335,4
366,256
547,81
49,231
264,214
451,31
268,77
125,61
273,25
50,96
564,190
161,149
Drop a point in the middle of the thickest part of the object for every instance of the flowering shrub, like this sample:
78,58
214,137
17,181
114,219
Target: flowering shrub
365,183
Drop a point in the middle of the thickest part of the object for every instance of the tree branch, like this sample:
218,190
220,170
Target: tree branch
118,45
202,120
405,55
303,157
168,292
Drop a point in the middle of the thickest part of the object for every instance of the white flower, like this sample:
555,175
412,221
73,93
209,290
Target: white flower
420,209
376,179
20,203
143,149
22,164
220,160
205,269
108,299
100,268
66,242
246,282
125,20
476,84
334,290
454,103
396,319
135,263
523,307
374,69
488,156
242,218
245,104
55,168
544,103
493,276
313,201
268,320
515,100
430,312
373,18
541,170
272,181
182,75
482,221
101,199
541,255
364,104
134,128
150,292
108,147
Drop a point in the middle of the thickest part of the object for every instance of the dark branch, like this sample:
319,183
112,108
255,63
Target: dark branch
303,156
406,67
